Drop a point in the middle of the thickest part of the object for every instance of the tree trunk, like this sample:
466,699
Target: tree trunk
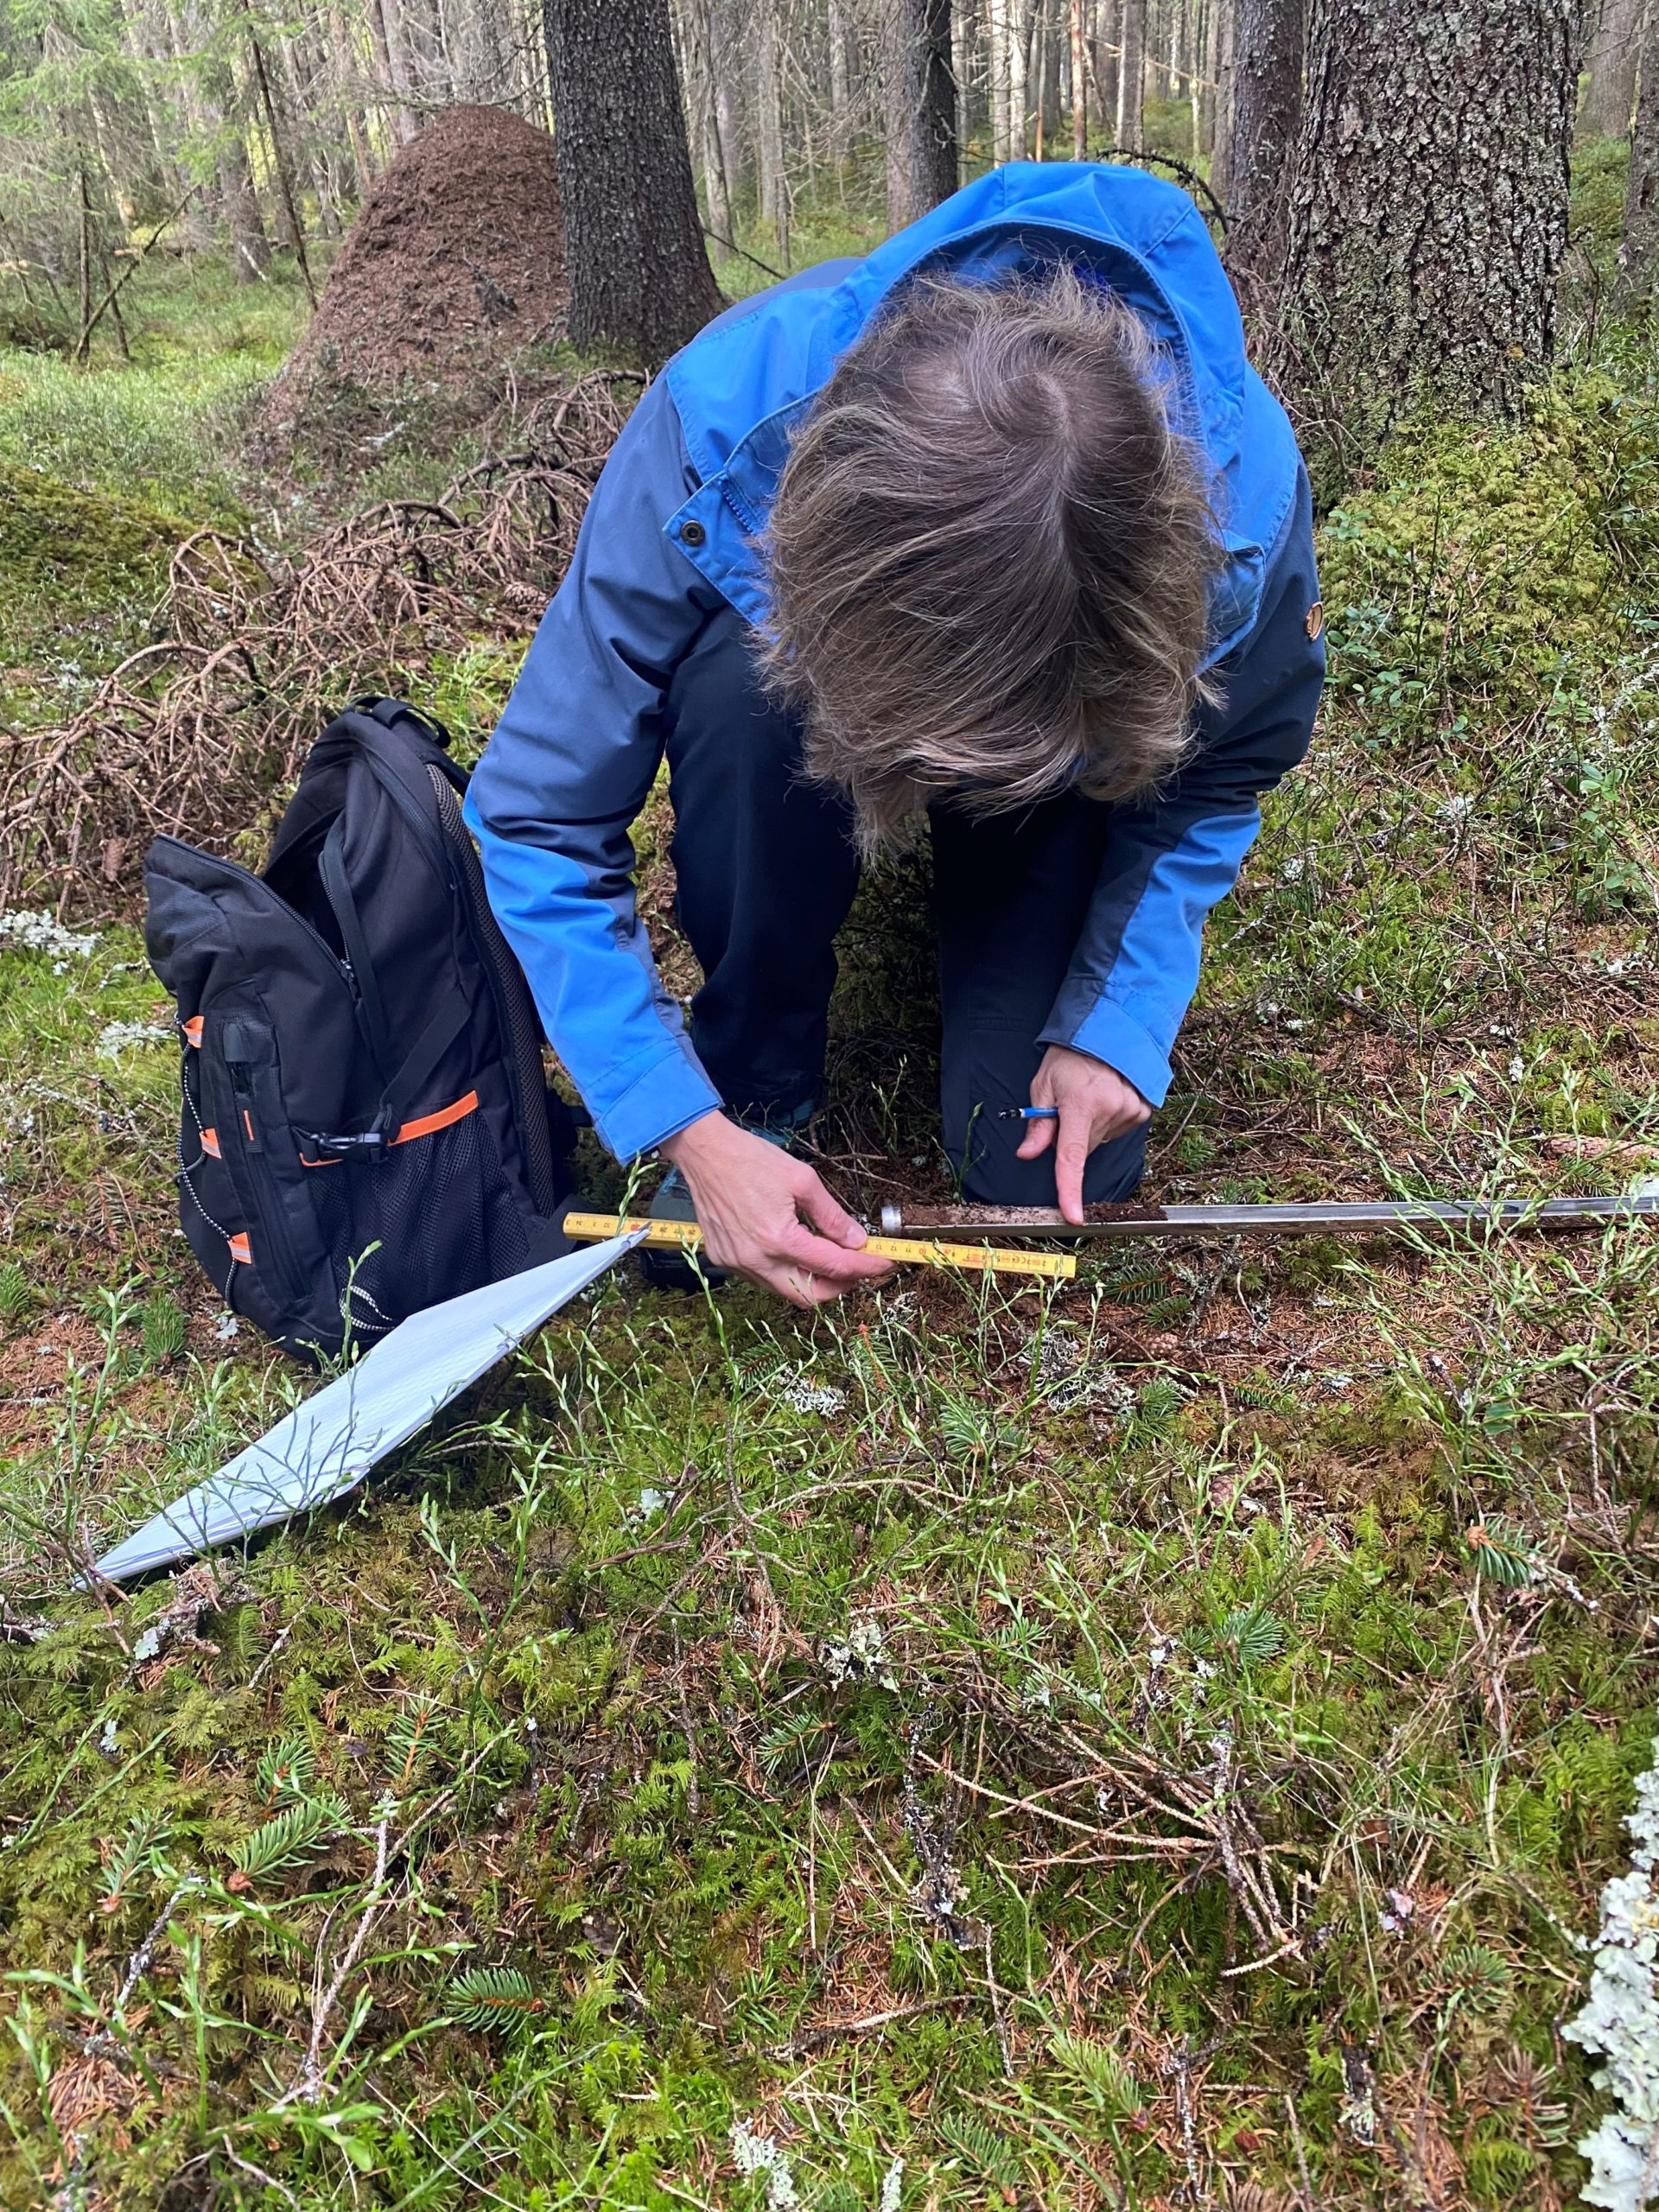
996,64
356,128
1615,50
1413,273
964,74
423,48
840,95
920,117
1131,73
386,29
699,33
1079,82
1221,149
1103,57
771,182
202,125
1218,68
640,281
1019,13
726,60
238,196
83,260
279,160
1267,95
1638,251
1046,39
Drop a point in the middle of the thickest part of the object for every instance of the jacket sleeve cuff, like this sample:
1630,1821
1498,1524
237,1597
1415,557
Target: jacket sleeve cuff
1108,1033
666,1097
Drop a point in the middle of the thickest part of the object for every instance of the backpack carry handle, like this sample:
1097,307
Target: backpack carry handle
390,712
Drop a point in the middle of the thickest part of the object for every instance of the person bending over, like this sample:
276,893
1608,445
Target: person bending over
997,526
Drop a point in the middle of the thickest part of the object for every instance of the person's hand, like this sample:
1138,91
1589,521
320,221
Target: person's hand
1095,1103
767,1218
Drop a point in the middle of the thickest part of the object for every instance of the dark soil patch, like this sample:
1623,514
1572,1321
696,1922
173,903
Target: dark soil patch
454,267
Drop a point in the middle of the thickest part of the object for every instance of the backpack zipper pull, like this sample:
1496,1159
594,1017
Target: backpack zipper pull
242,1087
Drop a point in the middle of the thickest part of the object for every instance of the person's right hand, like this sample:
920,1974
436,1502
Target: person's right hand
766,1216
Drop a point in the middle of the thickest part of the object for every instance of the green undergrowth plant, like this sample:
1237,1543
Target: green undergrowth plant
1157,1739
730,1688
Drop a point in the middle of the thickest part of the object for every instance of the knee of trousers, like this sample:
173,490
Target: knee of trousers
993,1176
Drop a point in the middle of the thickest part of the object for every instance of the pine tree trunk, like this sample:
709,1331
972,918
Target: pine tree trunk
919,107
964,56
1267,95
1131,73
1415,274
250,242
697,19
1019,13
841,97
83,258
173,44
1107,29
1078,54
387,28
640,281
1046,71
279,155
1218,99
357,129
1615,51
1638,251
997,65
1195,91
771,182
1221,147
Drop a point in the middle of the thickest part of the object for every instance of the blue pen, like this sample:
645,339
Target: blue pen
1029,1113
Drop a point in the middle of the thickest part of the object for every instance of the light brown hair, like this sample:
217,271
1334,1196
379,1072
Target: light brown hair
989,555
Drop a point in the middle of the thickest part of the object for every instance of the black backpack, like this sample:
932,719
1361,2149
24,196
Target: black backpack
366,1128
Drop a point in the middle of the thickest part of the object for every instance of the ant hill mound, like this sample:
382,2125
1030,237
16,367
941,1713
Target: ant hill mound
454,267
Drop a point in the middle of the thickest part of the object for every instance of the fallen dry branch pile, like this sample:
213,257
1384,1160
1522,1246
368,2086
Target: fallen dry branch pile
197,732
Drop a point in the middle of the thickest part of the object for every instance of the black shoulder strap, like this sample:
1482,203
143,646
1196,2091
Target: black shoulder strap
440,1032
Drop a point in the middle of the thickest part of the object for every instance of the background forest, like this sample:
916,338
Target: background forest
1160,1742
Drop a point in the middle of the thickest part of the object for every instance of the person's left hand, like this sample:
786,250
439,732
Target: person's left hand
1095,1103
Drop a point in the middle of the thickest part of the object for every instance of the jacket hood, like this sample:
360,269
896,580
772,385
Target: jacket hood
740,386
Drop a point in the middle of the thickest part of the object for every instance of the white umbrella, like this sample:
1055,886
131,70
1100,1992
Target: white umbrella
327,1445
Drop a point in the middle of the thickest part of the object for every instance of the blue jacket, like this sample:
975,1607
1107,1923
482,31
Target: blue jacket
574,757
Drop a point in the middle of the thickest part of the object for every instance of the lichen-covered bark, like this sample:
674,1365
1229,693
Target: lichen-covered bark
1428,210
639,279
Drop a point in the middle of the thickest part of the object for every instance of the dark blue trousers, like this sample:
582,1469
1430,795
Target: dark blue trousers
766,869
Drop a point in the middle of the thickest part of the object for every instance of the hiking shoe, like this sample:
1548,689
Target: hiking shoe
662,1267
667,1269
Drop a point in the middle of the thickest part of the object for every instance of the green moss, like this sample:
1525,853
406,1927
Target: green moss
1600,171
77,545
1232,1513
1484,568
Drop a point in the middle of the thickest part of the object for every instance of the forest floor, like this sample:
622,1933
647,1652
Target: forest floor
1154,1743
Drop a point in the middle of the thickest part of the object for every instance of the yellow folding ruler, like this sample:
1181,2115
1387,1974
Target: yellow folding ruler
1055,1266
